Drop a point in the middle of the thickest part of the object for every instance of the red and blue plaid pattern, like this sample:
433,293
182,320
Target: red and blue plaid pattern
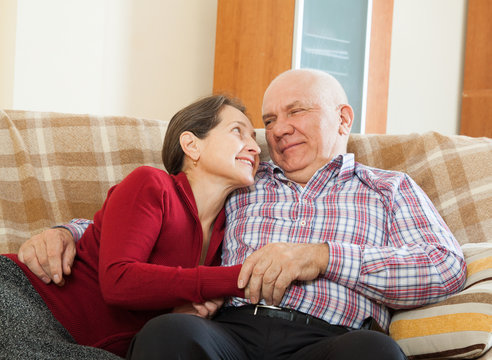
389,247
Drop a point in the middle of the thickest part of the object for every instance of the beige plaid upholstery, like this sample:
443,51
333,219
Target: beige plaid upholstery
58,166
454,171
54,167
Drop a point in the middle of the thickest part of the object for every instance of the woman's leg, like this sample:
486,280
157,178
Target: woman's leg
28,330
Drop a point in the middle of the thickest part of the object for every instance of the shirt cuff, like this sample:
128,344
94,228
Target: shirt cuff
77,227
344,264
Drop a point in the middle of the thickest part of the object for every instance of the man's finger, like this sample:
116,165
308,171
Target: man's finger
269,281
68,257
54,250
28,257
39,251
282,282
256,280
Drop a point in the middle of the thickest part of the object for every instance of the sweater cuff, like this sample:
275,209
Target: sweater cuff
219,281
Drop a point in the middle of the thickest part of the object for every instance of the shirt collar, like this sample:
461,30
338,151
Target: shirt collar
341,166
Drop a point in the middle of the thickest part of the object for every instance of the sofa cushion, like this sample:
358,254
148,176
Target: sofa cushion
458,327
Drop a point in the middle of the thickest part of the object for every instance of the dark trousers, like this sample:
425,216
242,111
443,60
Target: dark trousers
234,334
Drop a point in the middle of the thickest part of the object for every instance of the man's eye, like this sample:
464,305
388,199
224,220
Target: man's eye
296,111
237,130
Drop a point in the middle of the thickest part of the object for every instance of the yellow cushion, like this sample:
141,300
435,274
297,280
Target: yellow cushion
459,327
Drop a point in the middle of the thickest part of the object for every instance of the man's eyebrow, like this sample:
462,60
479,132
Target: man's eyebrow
294,104
288,107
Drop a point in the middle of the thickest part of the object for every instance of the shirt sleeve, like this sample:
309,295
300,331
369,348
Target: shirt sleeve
132,219
419,263
77,227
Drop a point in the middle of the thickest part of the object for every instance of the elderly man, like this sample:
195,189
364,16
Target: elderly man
328,246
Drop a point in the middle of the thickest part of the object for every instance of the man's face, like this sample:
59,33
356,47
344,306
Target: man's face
301,129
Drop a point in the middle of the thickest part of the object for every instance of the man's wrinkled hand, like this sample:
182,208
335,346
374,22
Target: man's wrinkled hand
268,272
49,255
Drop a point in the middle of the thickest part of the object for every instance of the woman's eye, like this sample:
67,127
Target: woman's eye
237,130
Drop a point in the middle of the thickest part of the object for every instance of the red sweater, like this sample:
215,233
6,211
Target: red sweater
139,259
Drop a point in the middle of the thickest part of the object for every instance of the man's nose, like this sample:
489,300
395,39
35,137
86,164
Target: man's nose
282,126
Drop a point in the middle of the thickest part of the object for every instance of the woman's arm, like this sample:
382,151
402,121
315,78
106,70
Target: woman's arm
131,224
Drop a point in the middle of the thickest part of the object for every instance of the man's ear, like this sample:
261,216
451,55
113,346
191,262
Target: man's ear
346,119
190,145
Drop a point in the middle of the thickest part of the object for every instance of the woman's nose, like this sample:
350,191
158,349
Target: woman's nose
254,147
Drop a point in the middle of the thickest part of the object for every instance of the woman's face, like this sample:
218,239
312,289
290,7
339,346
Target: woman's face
229,151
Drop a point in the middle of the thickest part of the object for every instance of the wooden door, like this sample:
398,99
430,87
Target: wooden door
476,104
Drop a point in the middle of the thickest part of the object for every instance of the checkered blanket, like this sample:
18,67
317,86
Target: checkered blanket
54,167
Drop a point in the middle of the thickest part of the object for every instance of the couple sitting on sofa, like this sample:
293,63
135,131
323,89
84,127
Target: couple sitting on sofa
316,248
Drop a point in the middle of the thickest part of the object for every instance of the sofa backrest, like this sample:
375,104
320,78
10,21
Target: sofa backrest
55,167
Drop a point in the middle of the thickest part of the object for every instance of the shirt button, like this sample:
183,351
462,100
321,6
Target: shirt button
289,184
303,223
304,201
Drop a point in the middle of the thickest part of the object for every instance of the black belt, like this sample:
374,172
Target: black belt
285,314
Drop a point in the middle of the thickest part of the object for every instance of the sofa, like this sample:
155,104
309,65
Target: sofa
55,167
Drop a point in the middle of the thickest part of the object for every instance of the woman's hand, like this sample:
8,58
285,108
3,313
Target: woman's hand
204,310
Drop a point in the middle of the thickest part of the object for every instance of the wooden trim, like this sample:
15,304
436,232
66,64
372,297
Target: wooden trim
476,110
253,45
476,105
379,66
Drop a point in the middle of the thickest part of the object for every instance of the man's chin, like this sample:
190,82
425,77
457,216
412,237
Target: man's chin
292,166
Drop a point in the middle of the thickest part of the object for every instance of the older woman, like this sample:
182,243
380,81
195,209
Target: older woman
154,246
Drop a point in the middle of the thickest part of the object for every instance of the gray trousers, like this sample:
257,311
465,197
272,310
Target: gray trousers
28,330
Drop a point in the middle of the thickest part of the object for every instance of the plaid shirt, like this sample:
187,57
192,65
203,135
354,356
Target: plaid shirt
388,245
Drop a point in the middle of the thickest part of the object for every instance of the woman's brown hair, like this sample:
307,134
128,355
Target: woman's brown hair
198,118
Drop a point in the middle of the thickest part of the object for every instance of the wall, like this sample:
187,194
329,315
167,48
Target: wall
8,11
144,58
59,53
426,69
149,58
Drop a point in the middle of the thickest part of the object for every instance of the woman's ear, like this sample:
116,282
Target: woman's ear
190,145
346,119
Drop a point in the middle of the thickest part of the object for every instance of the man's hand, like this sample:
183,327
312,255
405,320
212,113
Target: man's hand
49,255
204,310
270,270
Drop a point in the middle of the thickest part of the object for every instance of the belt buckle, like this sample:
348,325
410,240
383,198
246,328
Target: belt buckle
272,307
